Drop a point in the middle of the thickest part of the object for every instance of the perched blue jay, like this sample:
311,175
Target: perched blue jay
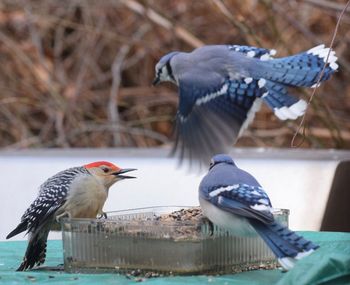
222,86
232,198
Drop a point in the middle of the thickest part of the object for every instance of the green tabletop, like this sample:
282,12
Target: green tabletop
328,265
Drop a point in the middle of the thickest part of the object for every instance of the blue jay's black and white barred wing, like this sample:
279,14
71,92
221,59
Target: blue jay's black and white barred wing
211,116
37,218
244,200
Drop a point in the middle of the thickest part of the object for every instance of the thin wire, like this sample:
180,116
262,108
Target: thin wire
302,122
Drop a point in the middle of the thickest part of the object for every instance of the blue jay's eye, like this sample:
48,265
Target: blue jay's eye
211,164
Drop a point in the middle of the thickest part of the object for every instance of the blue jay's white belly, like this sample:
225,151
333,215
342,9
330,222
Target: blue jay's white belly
236,224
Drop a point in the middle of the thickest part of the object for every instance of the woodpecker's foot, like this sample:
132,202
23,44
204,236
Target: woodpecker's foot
102,215
63,215
206,221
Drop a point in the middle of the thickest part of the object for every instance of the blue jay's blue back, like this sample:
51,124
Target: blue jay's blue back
232,198
222,86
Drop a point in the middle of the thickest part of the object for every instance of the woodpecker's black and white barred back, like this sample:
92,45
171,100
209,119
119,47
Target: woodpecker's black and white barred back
221,88
52,194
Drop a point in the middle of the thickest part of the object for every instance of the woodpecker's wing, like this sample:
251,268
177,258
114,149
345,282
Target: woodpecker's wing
244,200
212,113
52,196
39,212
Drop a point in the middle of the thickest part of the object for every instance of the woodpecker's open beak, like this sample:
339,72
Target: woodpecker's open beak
125,170
156,81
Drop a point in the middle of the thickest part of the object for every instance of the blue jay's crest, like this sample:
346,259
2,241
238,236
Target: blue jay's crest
222,86
221,158
164,59
233,199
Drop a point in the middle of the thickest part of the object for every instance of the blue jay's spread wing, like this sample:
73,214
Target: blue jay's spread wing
221,87
244,200
211,114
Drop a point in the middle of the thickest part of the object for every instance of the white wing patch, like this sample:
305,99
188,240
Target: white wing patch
268,56
263,208
261,82
212,96
216,192
248,80
251,53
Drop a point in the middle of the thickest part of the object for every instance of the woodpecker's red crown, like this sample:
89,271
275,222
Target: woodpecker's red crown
100,163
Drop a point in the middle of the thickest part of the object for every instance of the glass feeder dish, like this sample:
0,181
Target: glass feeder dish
168,240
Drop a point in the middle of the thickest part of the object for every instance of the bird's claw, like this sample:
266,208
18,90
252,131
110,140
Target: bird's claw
206,221
102,215
63,215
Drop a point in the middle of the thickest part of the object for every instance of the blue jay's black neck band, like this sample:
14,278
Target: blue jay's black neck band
169,70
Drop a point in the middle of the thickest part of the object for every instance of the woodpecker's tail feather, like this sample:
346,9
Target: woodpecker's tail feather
20,228
302,69
36,250
284,243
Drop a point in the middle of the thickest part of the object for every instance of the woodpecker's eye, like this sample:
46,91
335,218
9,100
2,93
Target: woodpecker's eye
105,169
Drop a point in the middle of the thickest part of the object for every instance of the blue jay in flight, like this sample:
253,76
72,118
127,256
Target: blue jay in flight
222,86
232,198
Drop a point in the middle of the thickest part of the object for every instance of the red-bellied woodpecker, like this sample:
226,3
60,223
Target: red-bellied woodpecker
78,192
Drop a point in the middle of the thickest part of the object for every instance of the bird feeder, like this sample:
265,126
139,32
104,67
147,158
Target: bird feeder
167,240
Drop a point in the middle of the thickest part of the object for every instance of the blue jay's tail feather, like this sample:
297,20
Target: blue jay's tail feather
285,244
283,105
298,70
302,69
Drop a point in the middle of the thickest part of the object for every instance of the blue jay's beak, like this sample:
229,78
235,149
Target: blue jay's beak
156,81
121,171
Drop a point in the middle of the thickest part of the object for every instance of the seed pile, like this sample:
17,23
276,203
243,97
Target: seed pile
193,214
